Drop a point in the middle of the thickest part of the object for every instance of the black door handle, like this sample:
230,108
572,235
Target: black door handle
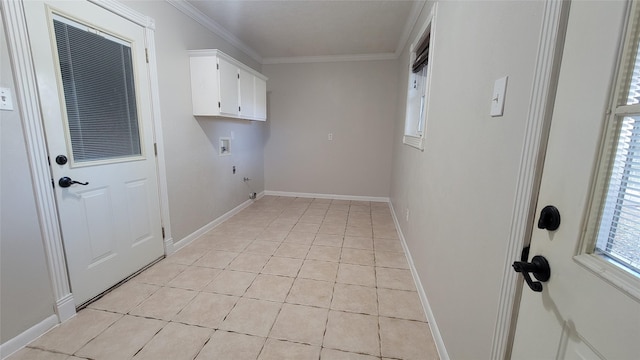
539,267
66,181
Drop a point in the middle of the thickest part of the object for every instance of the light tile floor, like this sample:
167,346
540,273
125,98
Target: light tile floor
286,278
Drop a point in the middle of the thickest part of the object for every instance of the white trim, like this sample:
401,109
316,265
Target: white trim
214,27
329,58
431,320
614,274
196,234
541,102
17,343
32,122
327,196
414,141
161,167
126,12
416,10
66,308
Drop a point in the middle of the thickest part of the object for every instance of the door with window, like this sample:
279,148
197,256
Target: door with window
94,92
590,306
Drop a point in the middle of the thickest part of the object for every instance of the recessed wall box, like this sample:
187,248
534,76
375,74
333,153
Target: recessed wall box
225,146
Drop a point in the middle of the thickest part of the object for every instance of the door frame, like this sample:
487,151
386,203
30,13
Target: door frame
37,154
543,92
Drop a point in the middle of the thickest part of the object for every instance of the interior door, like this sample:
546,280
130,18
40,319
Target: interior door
589,308
94,91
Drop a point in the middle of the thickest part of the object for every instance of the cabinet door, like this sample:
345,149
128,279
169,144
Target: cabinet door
204,85
247,94
228,74
260,99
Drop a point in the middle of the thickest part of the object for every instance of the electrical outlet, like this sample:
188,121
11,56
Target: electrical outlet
6,101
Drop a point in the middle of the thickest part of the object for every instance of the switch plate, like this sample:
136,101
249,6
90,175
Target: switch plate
497,99
330,137
6,100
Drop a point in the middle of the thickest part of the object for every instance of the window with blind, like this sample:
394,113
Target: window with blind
618,235
99,91
420,64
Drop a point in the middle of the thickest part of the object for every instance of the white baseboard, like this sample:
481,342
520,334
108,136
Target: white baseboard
326,196
66,308
168,247
196,234
437,337
34,332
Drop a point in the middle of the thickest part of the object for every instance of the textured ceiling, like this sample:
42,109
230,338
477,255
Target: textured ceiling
305,28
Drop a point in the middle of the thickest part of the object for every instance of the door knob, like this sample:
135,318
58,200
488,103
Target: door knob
549,218
539,267
66,181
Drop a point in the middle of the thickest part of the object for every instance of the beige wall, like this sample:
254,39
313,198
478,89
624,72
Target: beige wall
26,296
353,100
201,184
460,191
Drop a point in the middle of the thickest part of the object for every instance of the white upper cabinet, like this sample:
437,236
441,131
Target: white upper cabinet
222,86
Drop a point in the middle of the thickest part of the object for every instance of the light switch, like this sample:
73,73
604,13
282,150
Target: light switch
6,101
330,137
497,99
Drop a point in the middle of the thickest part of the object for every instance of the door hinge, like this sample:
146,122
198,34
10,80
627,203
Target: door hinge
219,105
239,109
217,66
155,148
238,76
53,183
163,232
146,54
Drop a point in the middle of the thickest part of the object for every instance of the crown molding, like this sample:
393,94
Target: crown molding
214,27
126,12
416,10
328,58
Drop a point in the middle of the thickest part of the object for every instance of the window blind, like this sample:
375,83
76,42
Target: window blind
422,54
99,91
619,235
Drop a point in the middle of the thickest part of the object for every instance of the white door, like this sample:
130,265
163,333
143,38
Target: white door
94,91
590,307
